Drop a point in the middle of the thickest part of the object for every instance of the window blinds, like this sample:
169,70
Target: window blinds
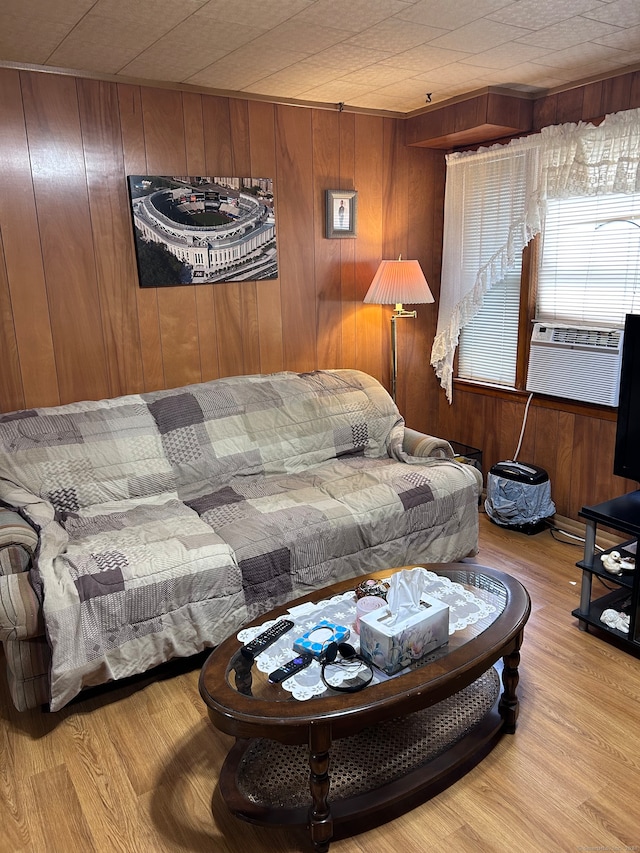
590,266
562,161
488,346
490,215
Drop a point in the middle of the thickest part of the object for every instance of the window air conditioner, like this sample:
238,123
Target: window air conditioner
576,363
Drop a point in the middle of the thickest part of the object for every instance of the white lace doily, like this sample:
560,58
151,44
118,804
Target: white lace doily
464,609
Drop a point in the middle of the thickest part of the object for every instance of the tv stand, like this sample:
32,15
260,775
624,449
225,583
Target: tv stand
622,592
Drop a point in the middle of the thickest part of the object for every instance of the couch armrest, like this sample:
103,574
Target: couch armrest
20,611
14,530
420,444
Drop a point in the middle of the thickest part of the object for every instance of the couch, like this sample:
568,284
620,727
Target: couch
147,527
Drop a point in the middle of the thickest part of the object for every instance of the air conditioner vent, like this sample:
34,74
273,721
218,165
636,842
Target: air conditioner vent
575,363
586,337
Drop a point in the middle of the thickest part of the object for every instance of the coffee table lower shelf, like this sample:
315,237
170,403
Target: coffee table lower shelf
377,774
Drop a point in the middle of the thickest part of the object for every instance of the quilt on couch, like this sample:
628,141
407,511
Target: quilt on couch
168,519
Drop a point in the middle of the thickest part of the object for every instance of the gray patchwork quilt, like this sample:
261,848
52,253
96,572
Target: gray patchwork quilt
169,519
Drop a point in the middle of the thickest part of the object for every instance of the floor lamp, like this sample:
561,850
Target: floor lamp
395,283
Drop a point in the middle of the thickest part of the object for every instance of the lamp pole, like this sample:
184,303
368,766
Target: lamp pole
395,283
398,314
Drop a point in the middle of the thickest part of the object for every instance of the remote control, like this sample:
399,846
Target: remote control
290,668
264,640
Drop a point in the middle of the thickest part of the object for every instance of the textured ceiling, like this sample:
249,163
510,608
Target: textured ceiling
369,54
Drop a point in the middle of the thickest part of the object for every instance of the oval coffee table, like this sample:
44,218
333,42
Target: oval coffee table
345,762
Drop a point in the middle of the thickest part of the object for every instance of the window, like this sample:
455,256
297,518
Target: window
588,275
575,185
590,265
488,347
489,218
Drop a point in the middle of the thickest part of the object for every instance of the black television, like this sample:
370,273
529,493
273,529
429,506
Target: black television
626,460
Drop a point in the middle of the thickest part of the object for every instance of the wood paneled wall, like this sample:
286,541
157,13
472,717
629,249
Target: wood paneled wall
574,443
75,325
73,322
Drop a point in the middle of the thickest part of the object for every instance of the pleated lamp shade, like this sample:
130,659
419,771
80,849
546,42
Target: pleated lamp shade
398,282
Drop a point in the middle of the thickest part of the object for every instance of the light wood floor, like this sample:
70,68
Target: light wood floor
135,769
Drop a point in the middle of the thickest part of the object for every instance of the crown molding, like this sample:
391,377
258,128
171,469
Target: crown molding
199,90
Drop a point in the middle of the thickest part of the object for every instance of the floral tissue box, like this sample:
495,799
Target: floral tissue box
393,647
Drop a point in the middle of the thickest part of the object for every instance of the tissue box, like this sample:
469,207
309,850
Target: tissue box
392,647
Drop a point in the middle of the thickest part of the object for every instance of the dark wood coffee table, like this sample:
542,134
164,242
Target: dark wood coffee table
277,735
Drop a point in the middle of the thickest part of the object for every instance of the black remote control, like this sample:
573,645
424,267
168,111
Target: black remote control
264,640
303,660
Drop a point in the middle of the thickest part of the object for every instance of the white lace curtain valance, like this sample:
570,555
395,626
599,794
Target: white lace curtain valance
495,203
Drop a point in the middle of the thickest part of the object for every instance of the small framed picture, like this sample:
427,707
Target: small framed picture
342,213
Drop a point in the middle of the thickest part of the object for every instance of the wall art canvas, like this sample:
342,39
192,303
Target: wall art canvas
203,230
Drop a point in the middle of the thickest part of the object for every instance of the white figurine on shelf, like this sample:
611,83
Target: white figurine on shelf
614,619
615,564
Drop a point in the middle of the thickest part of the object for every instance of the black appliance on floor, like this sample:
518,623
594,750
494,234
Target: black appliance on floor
519,496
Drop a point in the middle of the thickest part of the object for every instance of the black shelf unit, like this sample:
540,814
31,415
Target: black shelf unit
623,595
465,453
597,567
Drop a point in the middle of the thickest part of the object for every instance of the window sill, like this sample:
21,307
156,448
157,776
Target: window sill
576,407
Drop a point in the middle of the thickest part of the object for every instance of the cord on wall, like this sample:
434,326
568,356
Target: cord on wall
524,423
